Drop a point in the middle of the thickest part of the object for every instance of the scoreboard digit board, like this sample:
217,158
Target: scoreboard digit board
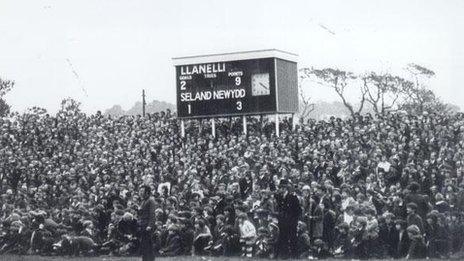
234,84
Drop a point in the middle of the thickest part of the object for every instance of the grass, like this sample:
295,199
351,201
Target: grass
108,258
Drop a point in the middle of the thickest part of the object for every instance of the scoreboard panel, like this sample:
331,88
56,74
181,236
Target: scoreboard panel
217,86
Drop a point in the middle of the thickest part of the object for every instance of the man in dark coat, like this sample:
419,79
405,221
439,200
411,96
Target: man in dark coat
146,224
420,200
388,234
417,249
402,239
342,243
289,210
413,218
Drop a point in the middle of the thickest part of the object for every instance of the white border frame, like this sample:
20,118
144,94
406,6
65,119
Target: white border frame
236,56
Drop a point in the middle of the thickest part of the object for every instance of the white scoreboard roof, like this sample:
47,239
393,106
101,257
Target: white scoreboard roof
226,57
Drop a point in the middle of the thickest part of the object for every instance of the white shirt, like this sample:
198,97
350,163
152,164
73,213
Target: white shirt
247,229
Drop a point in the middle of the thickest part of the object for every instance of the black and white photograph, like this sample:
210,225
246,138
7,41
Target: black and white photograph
231,130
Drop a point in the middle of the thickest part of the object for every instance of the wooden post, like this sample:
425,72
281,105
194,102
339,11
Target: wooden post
293,121
277,125
182,128
143,103
244,125
213,127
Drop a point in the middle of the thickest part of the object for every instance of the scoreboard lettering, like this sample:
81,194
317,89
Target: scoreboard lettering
226,88
203,69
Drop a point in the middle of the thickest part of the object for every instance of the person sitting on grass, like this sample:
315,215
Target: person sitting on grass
262,248
173,242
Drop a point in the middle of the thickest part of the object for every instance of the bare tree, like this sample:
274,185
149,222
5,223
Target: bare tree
338,80
384,91
417,95
419,73
306,106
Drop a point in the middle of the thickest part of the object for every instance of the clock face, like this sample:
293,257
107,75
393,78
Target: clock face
260,84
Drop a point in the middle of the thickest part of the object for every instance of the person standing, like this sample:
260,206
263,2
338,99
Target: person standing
288,211
413,218
417,249
146,224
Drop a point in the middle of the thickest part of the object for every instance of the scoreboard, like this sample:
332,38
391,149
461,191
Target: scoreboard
234,84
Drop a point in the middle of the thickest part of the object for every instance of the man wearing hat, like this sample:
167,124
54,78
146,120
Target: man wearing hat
146,224
413,218
388,232
402,239
422,204
289,210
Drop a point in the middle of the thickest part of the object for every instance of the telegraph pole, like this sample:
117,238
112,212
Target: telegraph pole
143,102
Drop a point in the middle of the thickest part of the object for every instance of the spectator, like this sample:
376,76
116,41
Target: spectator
289,211
417,249
147,223
73,175
413,218
402,240
247,234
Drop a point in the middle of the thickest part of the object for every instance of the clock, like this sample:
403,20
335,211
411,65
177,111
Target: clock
260,84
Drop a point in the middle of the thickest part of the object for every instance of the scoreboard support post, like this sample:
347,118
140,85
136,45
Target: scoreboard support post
213,127
244,125
277,125
293,121
182,128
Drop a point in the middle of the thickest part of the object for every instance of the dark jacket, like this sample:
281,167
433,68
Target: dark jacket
147,214
173,245
329,225
432,238
421,202
127,227
402,246
288,207
417,249
317,222
389,236
304,245
342,245
414,219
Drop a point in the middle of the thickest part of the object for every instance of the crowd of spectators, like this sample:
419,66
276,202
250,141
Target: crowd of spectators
366,187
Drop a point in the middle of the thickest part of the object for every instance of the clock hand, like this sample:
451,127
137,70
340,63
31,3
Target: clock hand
265,87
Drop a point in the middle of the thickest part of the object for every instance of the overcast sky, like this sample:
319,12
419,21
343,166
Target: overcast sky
105,52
